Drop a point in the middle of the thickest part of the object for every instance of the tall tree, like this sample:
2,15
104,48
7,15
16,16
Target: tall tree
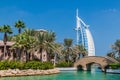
111,54
24,43
57,50
68,48
45,41
79,50
32,38
6,29
116,48
29,32
19,24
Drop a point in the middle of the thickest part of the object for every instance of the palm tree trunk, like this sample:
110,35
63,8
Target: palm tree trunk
4,50
11,56
30,56
40,54
44,55
18,52
68,55
22,55
5,42
19,30
55,56
25,55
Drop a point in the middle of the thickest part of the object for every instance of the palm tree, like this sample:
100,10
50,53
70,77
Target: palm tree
6,29
19,24
83,51
29,32
116,47
79,50
111,54
68,49
9,38
41,44
32,38
23,43
45,41
57,52
20,41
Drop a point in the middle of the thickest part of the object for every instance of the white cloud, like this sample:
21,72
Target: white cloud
111,10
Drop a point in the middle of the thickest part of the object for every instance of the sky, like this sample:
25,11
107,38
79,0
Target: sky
59,16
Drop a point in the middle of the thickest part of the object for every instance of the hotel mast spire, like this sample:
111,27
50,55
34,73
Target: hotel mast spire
77,28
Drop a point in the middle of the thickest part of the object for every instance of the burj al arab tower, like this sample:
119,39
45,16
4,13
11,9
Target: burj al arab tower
83,36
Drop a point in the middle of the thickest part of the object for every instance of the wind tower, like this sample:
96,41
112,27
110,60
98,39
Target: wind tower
83,36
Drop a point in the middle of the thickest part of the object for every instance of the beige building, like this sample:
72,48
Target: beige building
8,54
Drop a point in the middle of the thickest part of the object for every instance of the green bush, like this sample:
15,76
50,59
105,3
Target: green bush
32,65
47,65
64,64
10,65
4,65
114,65
16,65
38,65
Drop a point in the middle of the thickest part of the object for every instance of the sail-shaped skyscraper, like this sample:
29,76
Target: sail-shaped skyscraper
83,36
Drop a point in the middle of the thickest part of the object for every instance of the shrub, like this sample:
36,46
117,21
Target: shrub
64,64
10,65
32,65
47,65
16,65
4,65
38,65
115,65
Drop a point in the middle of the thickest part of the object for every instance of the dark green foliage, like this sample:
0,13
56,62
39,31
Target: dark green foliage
16,65
10,65
115,53
32,65
38,65
114,65
4,65
64,64
47,65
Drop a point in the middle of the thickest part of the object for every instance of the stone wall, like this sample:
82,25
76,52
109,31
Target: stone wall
29,72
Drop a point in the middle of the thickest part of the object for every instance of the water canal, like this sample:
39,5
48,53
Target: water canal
70,75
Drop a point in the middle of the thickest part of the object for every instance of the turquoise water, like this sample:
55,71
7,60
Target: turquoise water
70,75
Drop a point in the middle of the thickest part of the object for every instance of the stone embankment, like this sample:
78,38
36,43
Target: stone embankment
29,72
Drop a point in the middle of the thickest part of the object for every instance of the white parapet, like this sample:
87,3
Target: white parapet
67,69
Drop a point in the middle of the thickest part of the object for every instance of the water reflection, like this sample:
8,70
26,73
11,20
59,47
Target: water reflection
95,68
94,74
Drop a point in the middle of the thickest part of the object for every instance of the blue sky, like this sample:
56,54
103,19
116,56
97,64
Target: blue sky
103,16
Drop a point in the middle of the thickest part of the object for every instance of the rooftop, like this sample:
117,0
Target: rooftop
8,43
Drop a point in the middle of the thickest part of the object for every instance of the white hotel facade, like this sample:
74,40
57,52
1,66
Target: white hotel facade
83,36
